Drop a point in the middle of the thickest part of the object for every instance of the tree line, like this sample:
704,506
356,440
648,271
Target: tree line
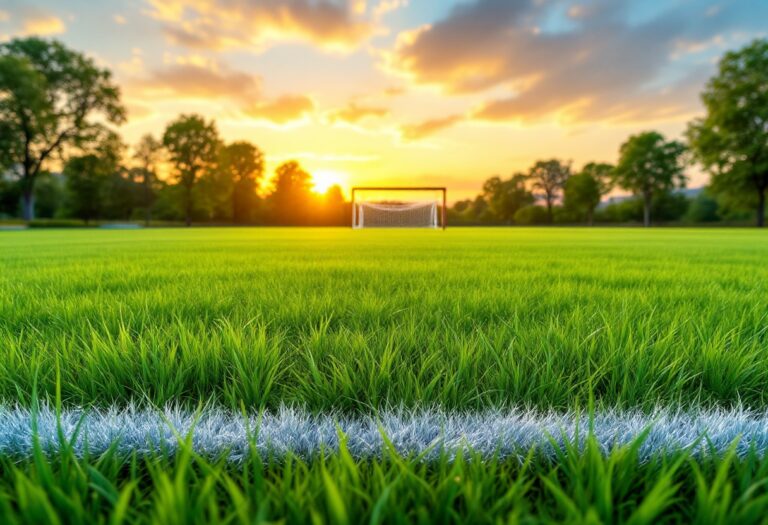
730,142
650,167
58,106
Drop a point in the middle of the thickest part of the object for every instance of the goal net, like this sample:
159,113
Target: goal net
398,208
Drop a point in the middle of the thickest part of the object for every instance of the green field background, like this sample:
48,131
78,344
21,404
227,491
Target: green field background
362,320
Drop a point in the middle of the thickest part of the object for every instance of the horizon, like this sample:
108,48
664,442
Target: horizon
391,92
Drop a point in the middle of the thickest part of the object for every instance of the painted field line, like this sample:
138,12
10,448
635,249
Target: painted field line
214,432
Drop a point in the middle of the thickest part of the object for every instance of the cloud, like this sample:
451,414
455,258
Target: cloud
282,110
387,6
428,127
39,23
223,24
32,21
194,80
194,77
577,61
395,91
134,66
137,111
354,113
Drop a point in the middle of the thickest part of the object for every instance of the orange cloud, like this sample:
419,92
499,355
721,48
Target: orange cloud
195,78
39,23
429,127
200,81
221,24
282,110
599,66
354,113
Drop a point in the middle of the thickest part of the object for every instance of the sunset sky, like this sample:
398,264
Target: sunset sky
432,92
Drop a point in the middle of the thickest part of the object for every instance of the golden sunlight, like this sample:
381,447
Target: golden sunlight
324,179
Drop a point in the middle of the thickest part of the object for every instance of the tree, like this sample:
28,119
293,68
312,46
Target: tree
193,147
582,195
532,214
333,209
50,195
583,191
603,173
10,195
51,101
731,140
122,193
650,165
703,208
87,176
505,197
549,176
148,153
244,164
291,196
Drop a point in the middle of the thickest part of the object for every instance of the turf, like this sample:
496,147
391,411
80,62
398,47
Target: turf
368,323
358,321
581,486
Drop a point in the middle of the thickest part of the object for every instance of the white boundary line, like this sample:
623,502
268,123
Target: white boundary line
423,432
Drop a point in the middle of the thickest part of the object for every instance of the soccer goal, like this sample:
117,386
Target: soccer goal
398,207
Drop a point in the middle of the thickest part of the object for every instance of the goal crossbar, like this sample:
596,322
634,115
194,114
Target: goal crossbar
442,189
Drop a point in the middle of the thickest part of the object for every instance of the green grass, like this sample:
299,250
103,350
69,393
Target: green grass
359,321
468,318
581,487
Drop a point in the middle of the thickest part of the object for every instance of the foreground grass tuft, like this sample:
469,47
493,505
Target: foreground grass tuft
582,486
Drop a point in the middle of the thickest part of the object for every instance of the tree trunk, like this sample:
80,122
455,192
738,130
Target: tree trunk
147,204
550,216
28,204
761,208
590,217
188,206
647,211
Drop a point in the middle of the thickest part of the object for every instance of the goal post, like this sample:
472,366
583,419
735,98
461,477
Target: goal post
399,207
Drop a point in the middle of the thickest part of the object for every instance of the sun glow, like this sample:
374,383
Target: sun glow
324,179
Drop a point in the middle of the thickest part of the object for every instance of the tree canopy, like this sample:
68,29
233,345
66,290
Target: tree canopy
292,187
505,197
583,191
148,153
582,195
603,174
243,164
549,177
649,165
731,140
88,175
52,100
193,149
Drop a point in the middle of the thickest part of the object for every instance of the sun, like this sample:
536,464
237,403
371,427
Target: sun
324,179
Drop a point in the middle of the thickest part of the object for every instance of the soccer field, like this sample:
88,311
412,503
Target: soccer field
466,329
